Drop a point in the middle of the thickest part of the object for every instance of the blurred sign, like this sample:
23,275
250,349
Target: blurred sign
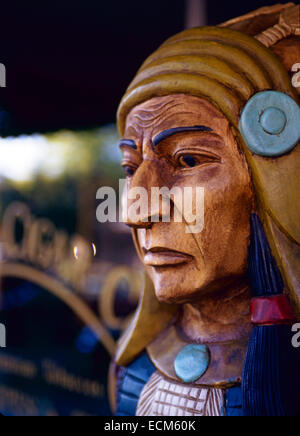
37,242
54,363
58,345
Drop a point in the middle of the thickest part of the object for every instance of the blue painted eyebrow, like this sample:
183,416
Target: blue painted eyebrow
128,143
166,133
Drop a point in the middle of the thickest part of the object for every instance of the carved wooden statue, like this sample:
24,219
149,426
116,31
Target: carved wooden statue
215,107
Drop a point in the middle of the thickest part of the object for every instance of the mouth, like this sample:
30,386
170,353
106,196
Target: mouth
159,256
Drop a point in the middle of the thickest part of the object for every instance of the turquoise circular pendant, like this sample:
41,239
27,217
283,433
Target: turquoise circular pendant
191,362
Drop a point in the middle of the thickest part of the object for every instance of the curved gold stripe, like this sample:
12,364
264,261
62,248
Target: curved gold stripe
69,298
236,58
150,319
208,66
196,85
261,54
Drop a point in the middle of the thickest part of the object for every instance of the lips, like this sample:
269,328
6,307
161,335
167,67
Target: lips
159,256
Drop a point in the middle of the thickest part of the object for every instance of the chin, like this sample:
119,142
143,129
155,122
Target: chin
187,285
169,296
180,289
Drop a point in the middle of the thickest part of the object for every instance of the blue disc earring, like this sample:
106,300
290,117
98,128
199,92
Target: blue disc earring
270,123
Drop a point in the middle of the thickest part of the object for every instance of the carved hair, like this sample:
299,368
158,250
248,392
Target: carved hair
223,65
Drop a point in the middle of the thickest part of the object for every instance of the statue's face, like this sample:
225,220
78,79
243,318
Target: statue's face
183,266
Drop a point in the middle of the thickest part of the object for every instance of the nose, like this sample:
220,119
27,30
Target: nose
141,209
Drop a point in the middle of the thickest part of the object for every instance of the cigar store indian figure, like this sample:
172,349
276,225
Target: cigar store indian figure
215,107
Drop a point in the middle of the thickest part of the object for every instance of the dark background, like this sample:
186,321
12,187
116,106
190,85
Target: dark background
68,62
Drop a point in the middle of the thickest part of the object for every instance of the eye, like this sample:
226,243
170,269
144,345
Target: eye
129,170
192,160
188,160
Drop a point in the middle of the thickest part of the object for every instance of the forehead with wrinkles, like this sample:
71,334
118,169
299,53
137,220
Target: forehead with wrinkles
172,111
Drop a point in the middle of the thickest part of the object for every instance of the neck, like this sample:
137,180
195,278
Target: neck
224,317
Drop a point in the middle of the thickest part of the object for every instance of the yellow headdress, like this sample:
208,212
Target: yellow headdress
226,67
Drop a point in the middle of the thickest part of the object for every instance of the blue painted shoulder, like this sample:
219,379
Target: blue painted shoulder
131,383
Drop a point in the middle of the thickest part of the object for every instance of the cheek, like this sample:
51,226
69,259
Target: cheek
224,240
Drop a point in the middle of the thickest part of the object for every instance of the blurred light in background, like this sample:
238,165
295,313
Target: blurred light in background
53,155
23,157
